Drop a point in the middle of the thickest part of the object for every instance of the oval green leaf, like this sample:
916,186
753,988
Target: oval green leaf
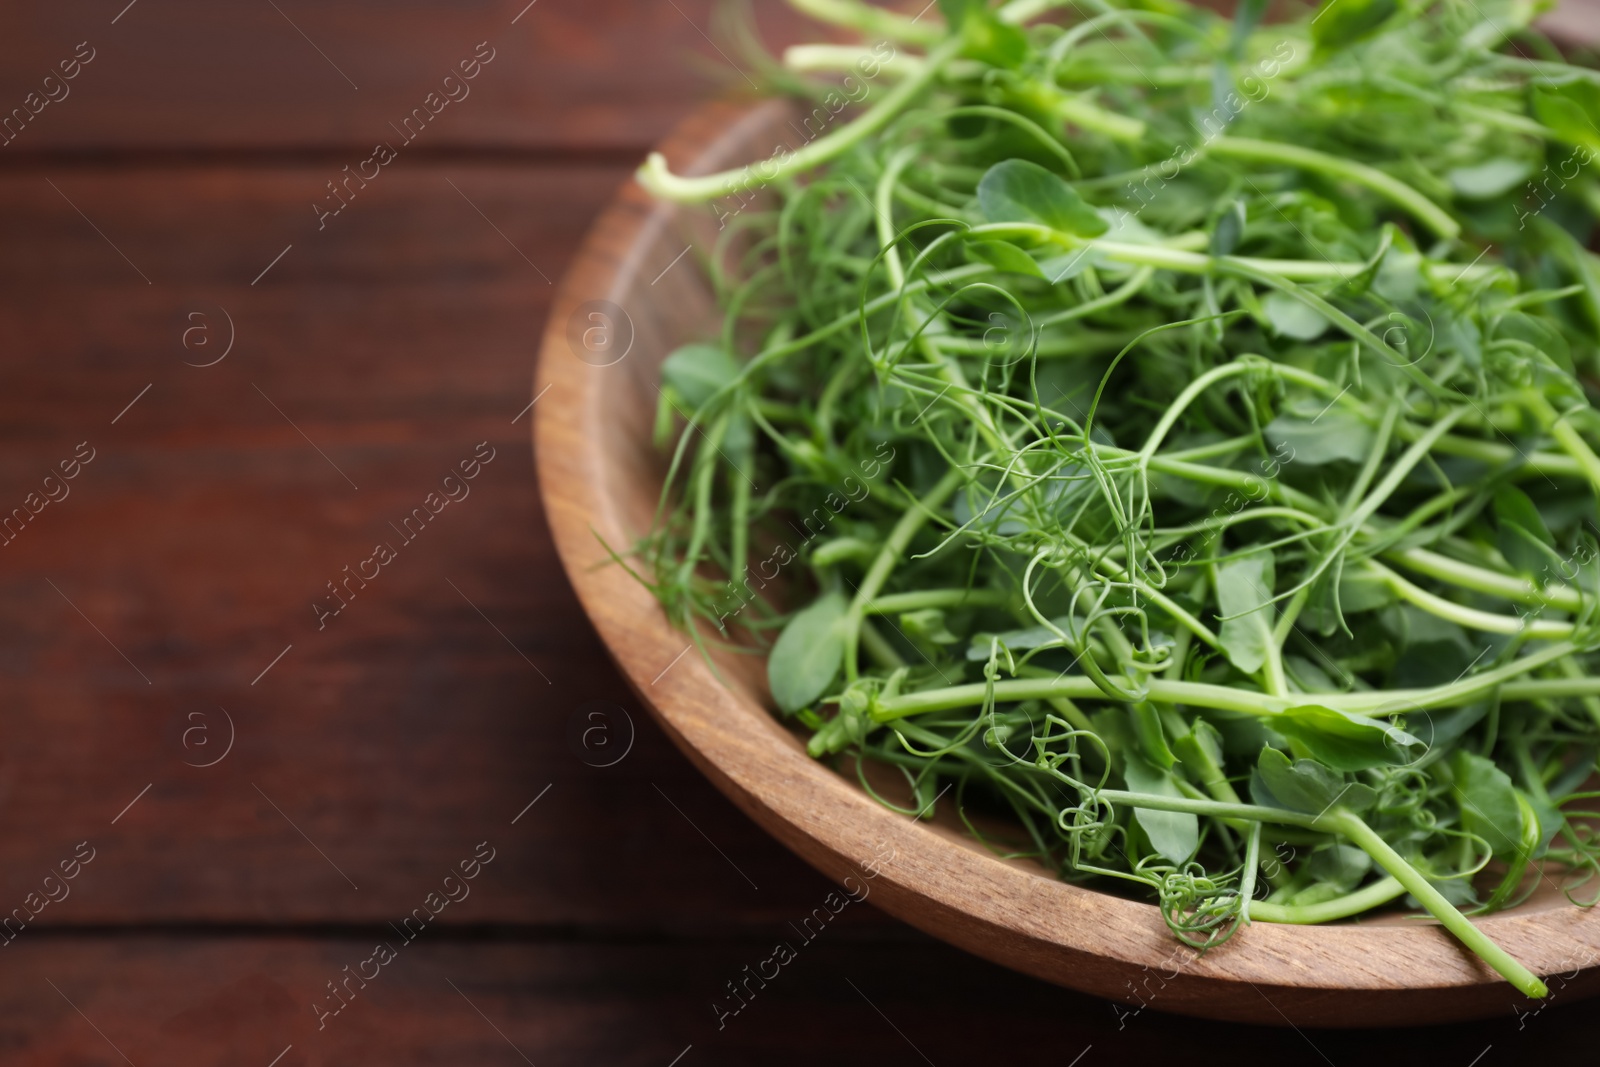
1345,742
1016,190
808,653
1305,785
1174,834
1004,256
1244,585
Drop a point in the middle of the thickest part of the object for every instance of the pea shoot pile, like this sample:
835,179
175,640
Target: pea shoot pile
1170,441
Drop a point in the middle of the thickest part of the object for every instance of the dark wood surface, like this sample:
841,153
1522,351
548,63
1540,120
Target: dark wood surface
147,609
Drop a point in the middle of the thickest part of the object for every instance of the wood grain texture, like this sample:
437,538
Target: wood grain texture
243,1000
606,483
187,78
587,76
198,537
608,922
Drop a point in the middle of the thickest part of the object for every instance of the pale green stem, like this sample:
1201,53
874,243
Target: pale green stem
1167,257
1392,189
871,21
1349,825
1017,12
1136,281
1567,436
892,552
1066,708
1363,836
1552,688
1041,96
1362,900
1466,576
657,177
938,598
1078,111
1247,880
1287,618
949,367
878,647
1181,402
845,59
1200,694
1471,618
1506,120
1591,704
1229,698
1545,463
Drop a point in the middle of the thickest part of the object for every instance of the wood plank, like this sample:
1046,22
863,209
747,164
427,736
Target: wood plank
190,549
245,1000
187,76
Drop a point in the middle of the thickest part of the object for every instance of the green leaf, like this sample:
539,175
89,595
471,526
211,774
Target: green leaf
1550,821
1440,730
1291,318
1304,785
983,36
808,653
696,372
1004,256
1335,434
989,40
1246,16
1363,590
1229,228
955,11
1431,651
1152,738
1580,261
690,377
1316,893
1200,750
1341,23
1516,861
1174,834
1570,109
927,625
1398,278
1345,742
1342,865
849,725
1457,891
1018,640
1311,677
1019,191
1058,269
1244,585
1492,178
1488,800
1521,535
1125,226
1226,103
1537,334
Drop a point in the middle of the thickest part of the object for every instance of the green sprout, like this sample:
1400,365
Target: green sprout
1175,437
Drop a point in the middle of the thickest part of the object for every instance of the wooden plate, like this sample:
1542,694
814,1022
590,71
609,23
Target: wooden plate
635,292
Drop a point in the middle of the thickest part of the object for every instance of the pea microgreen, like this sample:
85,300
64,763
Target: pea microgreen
1178,434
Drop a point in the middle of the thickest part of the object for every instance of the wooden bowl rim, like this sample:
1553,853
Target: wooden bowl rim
1348,974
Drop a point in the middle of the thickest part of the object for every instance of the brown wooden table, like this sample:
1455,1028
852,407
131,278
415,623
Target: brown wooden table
250,793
